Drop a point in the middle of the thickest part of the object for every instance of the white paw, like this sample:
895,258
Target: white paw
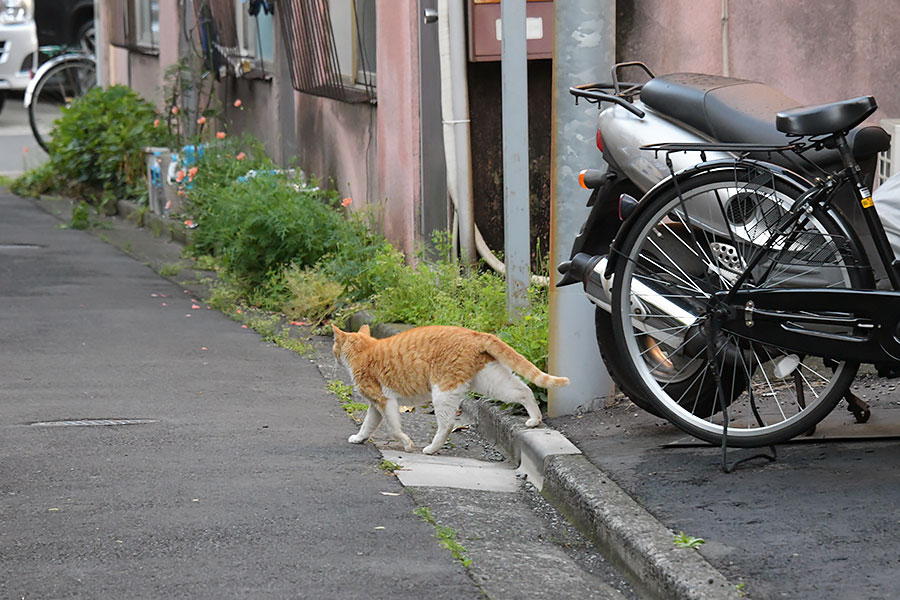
408,445
356,439
532,422
429,449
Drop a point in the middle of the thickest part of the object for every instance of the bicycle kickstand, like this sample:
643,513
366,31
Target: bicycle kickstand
858,406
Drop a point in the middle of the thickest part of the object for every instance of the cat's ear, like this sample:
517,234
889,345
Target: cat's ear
364,330
338,334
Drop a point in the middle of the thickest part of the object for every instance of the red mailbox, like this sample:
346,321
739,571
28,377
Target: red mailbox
485,31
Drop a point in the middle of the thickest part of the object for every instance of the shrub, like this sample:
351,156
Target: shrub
312,295
98,142
261,225
440,293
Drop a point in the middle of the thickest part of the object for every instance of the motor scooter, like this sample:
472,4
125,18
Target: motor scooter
682,108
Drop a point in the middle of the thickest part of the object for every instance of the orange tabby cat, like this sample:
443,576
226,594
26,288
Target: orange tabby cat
442,363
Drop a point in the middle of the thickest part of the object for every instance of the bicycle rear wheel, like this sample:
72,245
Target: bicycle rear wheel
55,86
683,249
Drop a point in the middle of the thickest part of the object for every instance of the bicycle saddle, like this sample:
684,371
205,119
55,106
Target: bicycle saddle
825,118
739,110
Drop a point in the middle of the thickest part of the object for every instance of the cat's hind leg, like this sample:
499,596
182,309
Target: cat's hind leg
391,414
369,425
497,381
446,404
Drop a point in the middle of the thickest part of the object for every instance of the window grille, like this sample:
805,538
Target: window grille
218,30
312,53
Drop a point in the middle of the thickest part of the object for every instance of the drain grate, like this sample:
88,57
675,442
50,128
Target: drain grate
92,422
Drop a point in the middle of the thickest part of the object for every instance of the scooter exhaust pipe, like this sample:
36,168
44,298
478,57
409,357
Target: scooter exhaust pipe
590,269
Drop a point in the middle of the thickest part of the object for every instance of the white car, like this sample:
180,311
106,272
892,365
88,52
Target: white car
18,44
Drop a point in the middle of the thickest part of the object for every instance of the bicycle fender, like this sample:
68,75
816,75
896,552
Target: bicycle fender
72,57
682,177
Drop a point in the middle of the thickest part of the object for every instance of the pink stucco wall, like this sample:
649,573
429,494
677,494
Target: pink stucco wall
812,50
398,122
336,142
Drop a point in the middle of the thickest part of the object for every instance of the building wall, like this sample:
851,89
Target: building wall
398,159
336,142
813,51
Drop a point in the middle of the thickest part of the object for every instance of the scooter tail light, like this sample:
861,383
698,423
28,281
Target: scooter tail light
599,140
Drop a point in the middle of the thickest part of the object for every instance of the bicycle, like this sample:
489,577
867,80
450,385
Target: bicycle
742,273
68,74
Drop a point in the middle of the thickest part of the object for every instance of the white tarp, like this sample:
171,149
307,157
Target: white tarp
887,203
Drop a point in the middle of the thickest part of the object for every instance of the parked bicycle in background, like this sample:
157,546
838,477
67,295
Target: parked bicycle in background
64,76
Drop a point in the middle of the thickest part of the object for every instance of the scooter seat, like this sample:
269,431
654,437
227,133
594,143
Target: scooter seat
825,118
724,108
738,110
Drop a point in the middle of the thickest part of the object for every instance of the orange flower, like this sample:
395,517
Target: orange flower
241,156
188,223
155,122
220,135
191,172
237,103
174,110
179,176
201,121
346,202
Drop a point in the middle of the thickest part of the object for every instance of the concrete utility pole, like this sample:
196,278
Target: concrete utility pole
584,52
517,230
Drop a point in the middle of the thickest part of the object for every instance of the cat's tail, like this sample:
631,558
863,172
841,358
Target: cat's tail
503,353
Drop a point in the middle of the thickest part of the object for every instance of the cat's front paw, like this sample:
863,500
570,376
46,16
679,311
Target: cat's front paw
430,449
356,439
532,422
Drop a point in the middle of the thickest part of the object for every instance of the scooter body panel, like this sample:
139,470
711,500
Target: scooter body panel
623,134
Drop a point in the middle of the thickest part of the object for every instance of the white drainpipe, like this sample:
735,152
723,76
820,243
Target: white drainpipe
455,115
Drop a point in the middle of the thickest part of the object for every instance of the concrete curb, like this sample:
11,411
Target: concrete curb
630,537
143,217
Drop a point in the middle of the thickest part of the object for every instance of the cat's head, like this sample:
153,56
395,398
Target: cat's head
344,340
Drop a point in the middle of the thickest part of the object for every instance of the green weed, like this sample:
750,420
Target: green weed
389,467
686,541
446,536
170,270
344,393
81,217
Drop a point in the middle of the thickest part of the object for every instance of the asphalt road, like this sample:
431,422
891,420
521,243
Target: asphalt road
18,149
239,481
242,485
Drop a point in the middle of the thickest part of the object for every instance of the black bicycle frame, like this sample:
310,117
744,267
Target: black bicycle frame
864,324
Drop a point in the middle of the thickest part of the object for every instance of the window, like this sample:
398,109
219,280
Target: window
353,26
256,35
146,23
134,24
331,47
365,25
